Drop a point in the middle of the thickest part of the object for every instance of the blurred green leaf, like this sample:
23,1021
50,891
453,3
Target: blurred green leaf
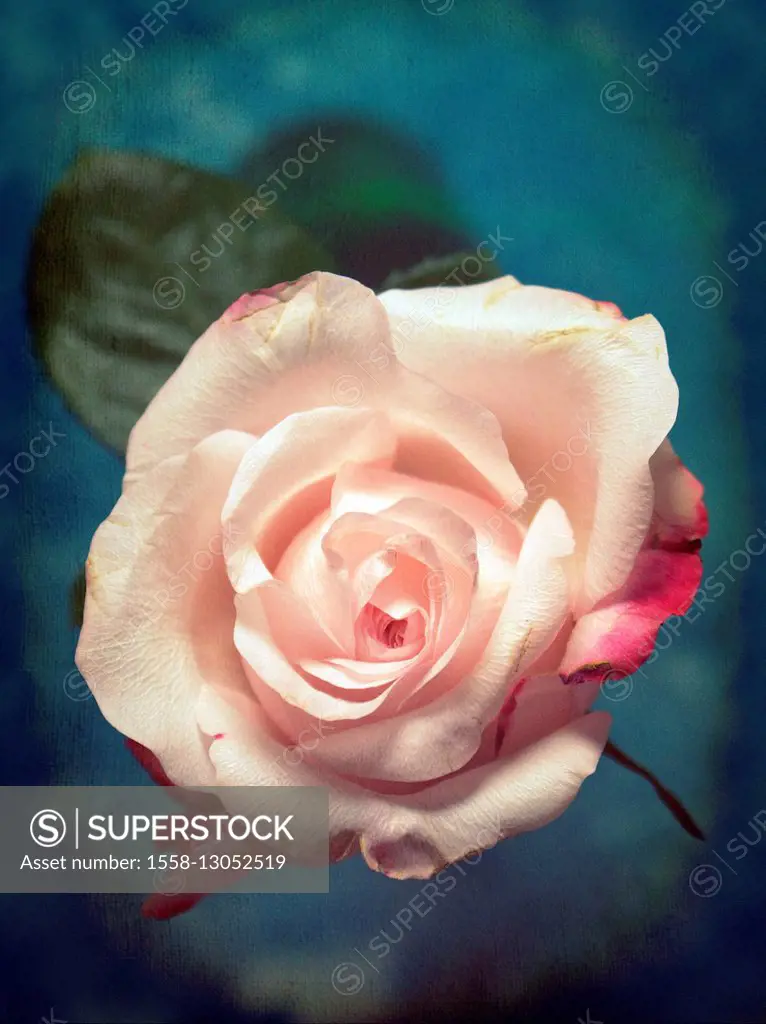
373,193
134,256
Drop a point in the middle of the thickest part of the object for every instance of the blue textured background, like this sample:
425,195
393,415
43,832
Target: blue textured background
594,912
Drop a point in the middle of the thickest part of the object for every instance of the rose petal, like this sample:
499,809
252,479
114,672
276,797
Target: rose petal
159,613
326,341
276,635
541,705
436,582
619,634
440,737
498,539
162,907
257,364
583,397
680,514
276,491
415,836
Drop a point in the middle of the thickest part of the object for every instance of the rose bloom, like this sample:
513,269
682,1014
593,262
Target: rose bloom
391,546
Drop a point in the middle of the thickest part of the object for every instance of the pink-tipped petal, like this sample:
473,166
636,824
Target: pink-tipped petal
162,907
617,637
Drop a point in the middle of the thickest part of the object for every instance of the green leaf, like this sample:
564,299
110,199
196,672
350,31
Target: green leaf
133,258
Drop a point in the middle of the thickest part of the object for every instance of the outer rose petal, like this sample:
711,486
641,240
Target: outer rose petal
417,835
149,762
619,634
539,706
583,397
260,362
680,514
161,907
157,624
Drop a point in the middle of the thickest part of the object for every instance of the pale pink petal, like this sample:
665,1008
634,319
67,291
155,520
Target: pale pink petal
334,588
497,540
474,810
321,341
442,735
274,633
449,531
347,673
360,488
437,582
159,611
414,836
260,362
539,706
281,643
284,482
584,399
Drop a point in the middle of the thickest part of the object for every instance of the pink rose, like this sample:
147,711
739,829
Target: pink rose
392,545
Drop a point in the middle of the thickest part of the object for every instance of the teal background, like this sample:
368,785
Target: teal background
595,912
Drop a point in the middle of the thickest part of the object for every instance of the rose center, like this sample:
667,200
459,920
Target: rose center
381,627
